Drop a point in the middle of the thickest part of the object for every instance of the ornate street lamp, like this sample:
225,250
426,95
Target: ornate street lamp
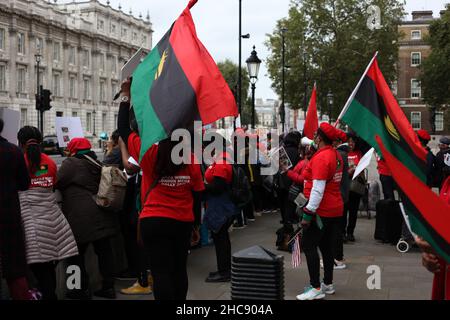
253,64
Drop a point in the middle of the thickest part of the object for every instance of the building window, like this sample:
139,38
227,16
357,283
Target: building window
100,25
102,61
21,43
416,35
104,117
86,60
439,121
23,117
416,120
124,33
40,45
86,89
416,90
56,51
2,77
21,77
88,121
2,39
113,64
56,81
113,28
72,87
59,114
74,114
135,36
416,58
72,55
102,91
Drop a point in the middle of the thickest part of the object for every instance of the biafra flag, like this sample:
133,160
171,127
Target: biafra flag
373,110
423,206
178,83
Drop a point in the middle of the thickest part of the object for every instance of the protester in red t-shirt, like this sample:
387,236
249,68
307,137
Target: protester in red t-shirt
220,212
352,206
167,218
48,236
323,214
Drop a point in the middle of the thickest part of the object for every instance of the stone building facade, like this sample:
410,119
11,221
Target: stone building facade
82,47
413,49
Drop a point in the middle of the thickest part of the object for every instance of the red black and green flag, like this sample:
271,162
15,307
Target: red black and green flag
373,110
428,214
178,83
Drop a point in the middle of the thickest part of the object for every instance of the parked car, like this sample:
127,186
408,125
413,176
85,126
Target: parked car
50,146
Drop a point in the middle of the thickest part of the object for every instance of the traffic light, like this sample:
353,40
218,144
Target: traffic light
46,99
38,102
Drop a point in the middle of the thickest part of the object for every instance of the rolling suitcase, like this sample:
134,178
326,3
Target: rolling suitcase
388,226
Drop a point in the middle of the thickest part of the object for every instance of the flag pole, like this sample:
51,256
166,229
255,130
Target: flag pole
349,101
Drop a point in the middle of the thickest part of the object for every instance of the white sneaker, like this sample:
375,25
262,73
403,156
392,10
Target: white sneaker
327,289
311,294
339,265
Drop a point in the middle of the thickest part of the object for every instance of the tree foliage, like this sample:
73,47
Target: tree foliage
435,77
330,39
229,71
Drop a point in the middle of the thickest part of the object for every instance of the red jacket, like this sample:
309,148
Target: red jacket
296,174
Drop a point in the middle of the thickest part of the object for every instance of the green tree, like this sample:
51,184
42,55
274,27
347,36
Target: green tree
330,39
229,71
435,69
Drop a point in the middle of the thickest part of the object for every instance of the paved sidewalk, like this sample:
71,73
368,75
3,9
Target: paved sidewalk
402,275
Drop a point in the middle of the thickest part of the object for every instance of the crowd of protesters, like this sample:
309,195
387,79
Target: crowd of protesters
166,204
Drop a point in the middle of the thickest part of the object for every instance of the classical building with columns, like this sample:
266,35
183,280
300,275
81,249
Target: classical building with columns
82,47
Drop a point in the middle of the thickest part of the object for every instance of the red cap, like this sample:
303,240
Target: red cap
78,144
342,135
424,135
329,131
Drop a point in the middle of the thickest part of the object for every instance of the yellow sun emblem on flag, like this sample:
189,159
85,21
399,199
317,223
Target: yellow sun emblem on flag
161,64
391,128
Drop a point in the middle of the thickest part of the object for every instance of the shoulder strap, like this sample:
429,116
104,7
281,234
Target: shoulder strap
93,161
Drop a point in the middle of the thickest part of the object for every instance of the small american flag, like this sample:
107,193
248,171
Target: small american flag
296,253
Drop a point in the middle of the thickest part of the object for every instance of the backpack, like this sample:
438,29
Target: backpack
241,192
112,187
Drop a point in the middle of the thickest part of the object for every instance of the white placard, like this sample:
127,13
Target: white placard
128,69
68,128
363,163
238,122
11,118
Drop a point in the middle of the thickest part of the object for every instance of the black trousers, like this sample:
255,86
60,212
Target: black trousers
287,208
258,197
339,248
45,275
388,185
167,242
104,251
222,245
351,213
325,240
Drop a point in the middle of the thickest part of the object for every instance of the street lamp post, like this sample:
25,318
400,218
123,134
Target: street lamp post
38,93
94,113
253,64
247,36
330,99
283,109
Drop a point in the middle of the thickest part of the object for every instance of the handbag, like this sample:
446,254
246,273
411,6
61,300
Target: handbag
358,185
294,191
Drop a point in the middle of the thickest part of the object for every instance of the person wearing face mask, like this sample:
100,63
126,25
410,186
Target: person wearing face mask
321,217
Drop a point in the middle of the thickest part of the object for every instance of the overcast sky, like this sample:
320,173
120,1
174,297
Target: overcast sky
217,25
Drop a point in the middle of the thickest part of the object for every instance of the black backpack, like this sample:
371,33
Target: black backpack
241,192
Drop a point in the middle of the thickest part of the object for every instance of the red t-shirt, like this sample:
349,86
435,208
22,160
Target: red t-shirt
353,158
134,146
326,164
222,169
172,196
383,168
45,176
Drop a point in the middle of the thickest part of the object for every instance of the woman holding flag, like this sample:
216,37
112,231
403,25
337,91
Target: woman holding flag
322,215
